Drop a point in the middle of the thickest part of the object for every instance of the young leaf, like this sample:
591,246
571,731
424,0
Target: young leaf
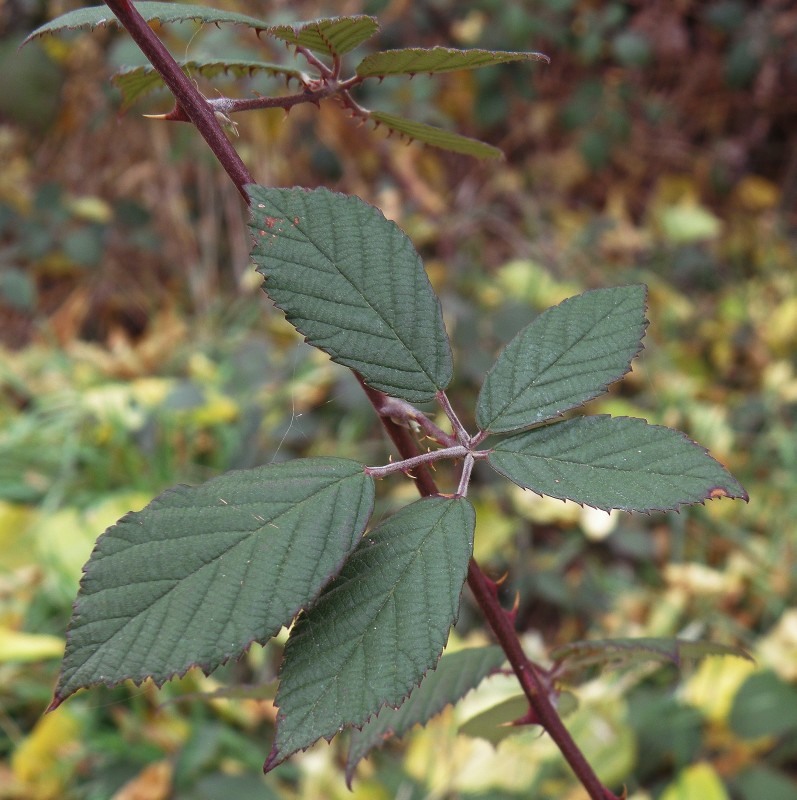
617,462
378,627
135,82
566,356
455,675
437,137
202,572
616,653
330,37
97,16
411,61
353,284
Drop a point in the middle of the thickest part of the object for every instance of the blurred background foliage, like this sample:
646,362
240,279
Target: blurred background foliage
137,351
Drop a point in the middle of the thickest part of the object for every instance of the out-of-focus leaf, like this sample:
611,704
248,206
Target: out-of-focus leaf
759,782
455,675
332,37
98,16
353,284
614,462
20,647
617,653
764,706
698,782
566,356
495,723
202,572
687,223
413,60
36,759
136,82
378,628
437,137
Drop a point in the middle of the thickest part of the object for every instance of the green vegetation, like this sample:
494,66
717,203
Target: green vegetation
134,361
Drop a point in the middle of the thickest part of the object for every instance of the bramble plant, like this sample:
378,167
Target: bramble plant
203,572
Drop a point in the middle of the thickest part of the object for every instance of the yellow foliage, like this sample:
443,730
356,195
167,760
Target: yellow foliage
713,687
20,646
698,782
38,762
15,523
755,193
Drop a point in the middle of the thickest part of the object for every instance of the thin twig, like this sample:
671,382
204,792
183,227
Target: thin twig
408,464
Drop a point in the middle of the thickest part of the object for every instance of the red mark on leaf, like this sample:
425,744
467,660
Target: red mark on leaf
718,491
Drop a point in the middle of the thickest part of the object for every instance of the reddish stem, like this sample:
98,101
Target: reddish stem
188,97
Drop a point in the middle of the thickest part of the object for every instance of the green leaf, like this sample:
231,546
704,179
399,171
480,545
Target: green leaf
568,355
765,705
619,653
456,674
378,627
353,284
331,37
98,16
618,462
411,61
437,137
135,82
202,572
495,723
758,781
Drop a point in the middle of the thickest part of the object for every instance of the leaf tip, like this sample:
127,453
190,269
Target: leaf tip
274,759
55,702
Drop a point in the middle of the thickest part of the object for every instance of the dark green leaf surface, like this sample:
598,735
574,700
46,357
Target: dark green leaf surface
615,653
456,674
202,572
331,37
411,61
135,82
353,284
97,16
617,462
437,137
379,626
568,355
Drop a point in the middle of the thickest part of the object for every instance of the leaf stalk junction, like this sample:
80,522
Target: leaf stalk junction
461,446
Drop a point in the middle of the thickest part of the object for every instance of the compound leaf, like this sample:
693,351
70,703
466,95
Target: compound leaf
353,284
437,137
455,675
411,61
617,653
136,82
331,37
98,16
566,356
378,627
614,462
202,572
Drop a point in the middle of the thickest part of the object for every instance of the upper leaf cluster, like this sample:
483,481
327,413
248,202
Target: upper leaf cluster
328,38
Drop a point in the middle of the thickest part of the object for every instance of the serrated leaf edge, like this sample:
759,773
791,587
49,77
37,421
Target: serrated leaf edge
206,668
715,493
599,390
